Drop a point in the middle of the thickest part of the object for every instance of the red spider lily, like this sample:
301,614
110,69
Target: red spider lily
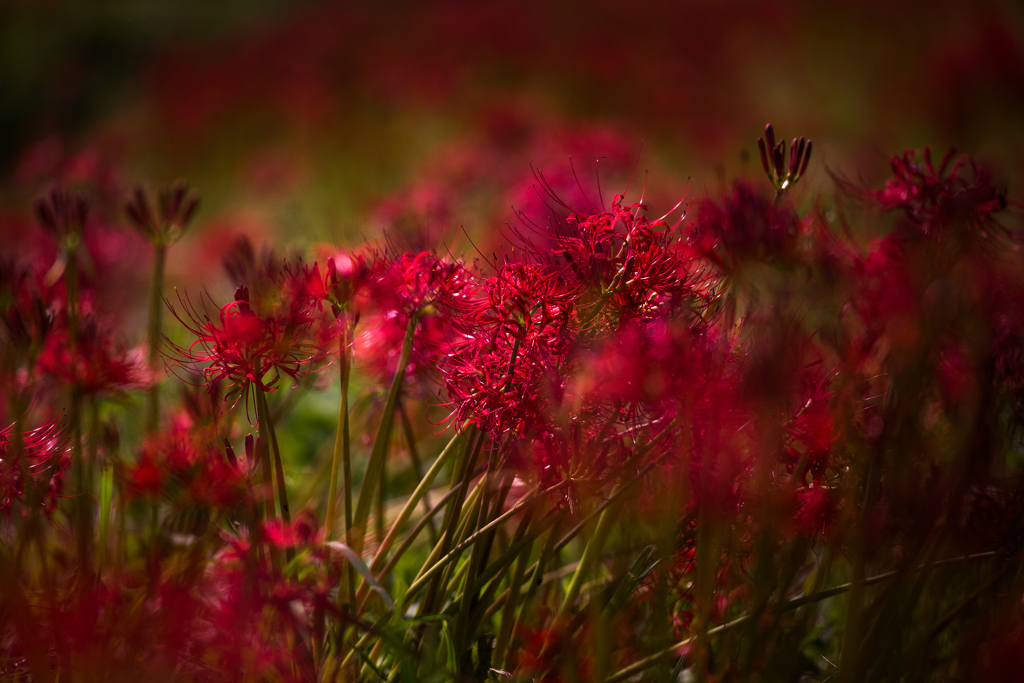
812,431
343,278
244,347
514,334
625,265
887,298
644,367
40,465
399,289
186,466
936,200
94,363
745,225
818,510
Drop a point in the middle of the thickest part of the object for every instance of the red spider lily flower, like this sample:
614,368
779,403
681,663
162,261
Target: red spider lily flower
625,265
744,225
186,466
812,431
245,350
397,290
342,279
94,363
773,159
514,333
40,464
936,200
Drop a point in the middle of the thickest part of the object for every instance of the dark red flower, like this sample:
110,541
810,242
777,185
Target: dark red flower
186,465
93,362
745,225
958,195
245,350
40,464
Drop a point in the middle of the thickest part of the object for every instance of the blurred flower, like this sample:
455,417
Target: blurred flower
937,200
93,362
40,464
176,207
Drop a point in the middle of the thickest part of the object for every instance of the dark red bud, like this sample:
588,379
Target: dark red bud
230,453
242,297
807,157
764,156
769,135
793,159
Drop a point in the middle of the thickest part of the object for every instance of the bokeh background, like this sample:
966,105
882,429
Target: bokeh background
307,123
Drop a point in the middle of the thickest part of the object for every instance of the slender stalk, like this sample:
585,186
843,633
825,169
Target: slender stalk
156,309
590,553
508,613
266,422
380,445
420,493
417,465
267,433
456,552
341,447
469,589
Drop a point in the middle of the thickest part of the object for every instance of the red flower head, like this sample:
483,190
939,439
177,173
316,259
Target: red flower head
408,286
40,465
189,467
94,363
745,225
935,201
514,334
247,349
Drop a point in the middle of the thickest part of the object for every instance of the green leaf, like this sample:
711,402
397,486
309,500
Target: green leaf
452,665
360,566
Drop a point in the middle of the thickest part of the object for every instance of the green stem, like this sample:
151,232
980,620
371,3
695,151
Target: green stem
380,445
341,447
417,495
267,429
417,465
590,553
156,309
508,613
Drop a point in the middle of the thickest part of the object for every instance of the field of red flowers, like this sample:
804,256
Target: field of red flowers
535,407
